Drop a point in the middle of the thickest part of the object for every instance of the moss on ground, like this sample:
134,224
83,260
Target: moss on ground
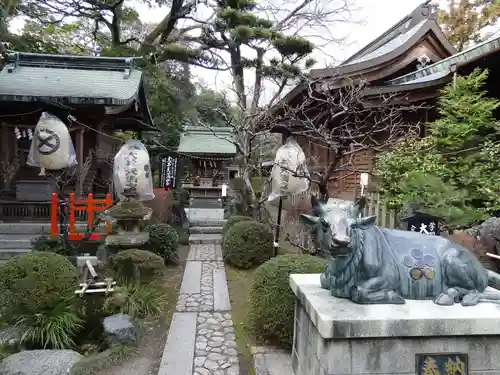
239,282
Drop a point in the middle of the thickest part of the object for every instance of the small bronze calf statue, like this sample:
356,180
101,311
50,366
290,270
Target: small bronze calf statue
370,265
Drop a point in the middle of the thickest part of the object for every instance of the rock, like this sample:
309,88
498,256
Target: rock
489,234
40,362
10,336
120,329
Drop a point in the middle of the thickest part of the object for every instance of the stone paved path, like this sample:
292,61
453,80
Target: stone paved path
201,339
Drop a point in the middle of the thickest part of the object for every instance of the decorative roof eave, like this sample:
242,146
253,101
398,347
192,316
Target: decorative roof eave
350,70
482,49
67,100
212,156
438,79
426,27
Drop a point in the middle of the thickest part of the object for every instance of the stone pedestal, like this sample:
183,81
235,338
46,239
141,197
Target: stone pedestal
336,336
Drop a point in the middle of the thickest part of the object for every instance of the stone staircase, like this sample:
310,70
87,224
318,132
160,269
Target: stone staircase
15,238
207,231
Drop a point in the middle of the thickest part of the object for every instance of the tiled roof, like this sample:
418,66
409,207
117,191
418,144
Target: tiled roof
441,68
389,46
201,140
75,79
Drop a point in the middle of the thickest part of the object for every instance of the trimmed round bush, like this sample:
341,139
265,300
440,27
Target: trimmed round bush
247,244
271,299
34,282
137,265
233,220
164,241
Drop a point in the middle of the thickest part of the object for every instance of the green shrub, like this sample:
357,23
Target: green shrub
136,265
37,291
46,244
51,327
233,220
247,244
137,300
271,299
164,241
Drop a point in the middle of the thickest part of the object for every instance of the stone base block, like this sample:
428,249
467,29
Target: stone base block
337,337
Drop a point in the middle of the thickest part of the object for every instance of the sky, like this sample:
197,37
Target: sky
375,17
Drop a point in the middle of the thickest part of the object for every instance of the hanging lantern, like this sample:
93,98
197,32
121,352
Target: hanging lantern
52,147
132,171
289,174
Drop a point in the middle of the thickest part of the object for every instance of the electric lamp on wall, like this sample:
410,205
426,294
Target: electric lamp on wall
363,181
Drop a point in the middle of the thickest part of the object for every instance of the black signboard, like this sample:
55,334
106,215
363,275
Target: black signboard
423,223
442,364
168,176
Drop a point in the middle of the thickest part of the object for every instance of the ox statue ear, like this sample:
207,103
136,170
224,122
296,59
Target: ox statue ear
365,222
309,221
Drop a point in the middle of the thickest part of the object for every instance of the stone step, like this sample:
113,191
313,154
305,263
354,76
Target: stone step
199,238
16,241
206,223
201,230
179,349
37,228
7,254
270,361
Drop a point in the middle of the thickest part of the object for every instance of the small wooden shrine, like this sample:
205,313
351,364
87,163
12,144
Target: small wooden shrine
207,155
93,96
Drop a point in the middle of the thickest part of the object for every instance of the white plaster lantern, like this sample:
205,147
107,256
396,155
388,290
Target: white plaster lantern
132,170
289,174
51,147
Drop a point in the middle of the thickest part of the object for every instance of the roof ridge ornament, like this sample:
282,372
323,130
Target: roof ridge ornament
423,61
425,11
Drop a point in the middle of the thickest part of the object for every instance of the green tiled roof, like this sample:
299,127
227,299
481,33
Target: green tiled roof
76,79
442,68
200,140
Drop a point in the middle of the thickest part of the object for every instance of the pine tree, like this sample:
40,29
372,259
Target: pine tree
454,172
463,20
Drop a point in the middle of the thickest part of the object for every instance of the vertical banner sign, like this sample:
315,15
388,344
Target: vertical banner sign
168,172
163,168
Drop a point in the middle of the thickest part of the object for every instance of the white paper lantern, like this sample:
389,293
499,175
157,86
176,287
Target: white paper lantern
51,146
289,174
132,169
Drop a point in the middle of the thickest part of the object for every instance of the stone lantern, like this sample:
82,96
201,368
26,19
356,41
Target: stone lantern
129,214
132,177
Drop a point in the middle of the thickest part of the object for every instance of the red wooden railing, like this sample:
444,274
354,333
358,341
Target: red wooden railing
90,205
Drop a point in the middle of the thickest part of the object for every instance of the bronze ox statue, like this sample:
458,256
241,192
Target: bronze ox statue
372,265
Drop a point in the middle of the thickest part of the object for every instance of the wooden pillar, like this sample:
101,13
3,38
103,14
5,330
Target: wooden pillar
6,144
80,160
